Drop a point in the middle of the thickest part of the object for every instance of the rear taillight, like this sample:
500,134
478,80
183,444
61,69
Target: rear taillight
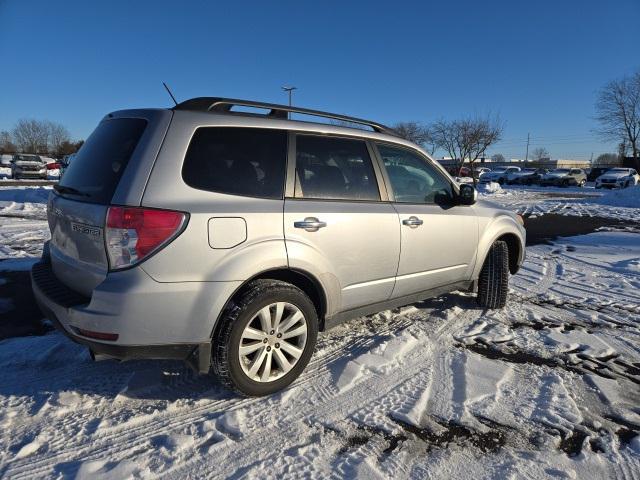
134,233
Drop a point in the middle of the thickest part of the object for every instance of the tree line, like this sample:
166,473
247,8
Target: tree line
38,137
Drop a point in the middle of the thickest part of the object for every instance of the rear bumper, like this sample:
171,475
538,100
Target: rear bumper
152,320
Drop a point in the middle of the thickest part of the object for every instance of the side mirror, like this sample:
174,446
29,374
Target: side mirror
468,195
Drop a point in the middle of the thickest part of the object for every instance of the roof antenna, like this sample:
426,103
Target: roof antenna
171,94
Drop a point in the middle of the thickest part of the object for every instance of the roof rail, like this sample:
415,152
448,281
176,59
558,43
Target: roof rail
224,105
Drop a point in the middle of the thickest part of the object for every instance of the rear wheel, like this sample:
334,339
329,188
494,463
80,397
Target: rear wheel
265,339
493,283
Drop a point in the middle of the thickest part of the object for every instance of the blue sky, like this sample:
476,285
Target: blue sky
536,64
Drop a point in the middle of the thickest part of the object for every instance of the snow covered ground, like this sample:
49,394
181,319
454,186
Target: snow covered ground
547,387
575,201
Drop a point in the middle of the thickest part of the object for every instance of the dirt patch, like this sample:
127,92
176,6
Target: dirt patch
628,430
587,364
490,441
572,444
366,432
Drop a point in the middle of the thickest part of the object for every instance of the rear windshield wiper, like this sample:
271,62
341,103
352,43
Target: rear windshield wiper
70,190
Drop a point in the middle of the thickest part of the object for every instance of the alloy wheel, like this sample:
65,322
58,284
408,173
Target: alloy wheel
272,342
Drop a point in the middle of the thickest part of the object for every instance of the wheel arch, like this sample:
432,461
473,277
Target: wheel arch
502,229
514,247
305,281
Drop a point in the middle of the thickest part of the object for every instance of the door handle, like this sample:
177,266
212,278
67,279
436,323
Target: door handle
310,224
412,221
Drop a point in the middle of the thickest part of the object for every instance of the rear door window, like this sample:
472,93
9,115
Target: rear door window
334,168
237,161
99,164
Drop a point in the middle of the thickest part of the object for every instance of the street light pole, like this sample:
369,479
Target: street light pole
289,90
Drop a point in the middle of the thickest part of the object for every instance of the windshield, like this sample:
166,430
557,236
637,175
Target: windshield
618,170
529,170
561,170
500,170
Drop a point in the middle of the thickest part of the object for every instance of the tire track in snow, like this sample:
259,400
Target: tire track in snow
171,420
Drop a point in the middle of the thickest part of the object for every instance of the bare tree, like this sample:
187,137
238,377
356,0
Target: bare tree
58,136
31,136
6,143
540,153
417,133
618,111
607,159
67,147
498,157
468,139
40,136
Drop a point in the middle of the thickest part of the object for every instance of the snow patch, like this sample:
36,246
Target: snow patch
491,187
379,361
625,197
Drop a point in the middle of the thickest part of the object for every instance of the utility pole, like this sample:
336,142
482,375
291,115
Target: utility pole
289,90
526,157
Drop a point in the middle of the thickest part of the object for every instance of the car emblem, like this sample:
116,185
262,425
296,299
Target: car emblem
88,230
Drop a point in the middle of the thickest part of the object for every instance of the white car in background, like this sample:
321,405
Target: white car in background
618,178
498,175
514,177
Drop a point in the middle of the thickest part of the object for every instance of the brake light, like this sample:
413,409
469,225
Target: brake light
133,233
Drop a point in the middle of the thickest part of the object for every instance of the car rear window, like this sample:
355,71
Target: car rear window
98,166
237,161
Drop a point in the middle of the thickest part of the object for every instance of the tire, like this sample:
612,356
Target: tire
565,183
501,181
243,313
493,283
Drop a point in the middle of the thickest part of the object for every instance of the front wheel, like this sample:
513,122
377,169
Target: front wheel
265,339
493,283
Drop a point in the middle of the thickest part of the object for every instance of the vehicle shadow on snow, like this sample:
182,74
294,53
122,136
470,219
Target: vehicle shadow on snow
47,365
24,195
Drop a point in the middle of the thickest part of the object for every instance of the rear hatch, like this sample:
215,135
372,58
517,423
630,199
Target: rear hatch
105,170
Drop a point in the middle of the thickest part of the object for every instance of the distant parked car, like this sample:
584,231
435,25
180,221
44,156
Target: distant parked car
499,175
527,176
595,172
28,166
480,171
618,178
5,160
564,177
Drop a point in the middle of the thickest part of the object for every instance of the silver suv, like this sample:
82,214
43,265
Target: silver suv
223,233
